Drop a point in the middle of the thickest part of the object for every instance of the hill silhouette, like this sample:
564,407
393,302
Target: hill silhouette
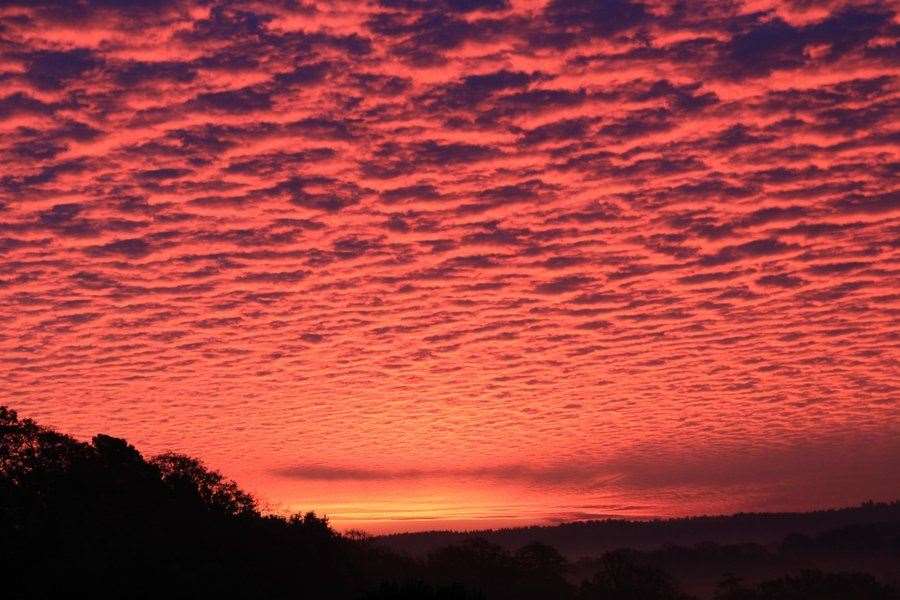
100,520
592,537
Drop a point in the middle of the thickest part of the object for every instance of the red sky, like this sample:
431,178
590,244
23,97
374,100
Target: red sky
464,262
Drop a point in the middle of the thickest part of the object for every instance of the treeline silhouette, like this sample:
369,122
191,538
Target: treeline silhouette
597,536
99,520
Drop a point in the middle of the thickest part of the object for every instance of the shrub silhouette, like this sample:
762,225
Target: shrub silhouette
535,571
419,590
810,585
620,577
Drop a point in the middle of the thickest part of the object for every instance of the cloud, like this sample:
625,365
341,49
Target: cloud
50,70
562,285
751,249
822,466
571,474
471,90
233,101
131,248
774,44
648,240
782,280
584,19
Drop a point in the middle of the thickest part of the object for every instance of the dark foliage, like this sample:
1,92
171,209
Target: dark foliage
618,576
98,520
810,585
419,590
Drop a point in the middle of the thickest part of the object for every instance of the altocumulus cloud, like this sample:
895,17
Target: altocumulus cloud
358,231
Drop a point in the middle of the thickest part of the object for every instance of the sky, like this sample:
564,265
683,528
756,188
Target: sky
462,263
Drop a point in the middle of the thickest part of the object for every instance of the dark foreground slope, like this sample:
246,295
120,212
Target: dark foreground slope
99,520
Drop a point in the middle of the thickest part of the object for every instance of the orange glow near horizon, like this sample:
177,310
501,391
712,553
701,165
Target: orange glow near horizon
462,264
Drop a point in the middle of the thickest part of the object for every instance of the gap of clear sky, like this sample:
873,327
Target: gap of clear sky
462,263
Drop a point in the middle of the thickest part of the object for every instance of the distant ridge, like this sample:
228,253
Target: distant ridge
589,538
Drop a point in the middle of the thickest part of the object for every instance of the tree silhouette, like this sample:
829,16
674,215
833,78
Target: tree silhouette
620,577
190,480
810,585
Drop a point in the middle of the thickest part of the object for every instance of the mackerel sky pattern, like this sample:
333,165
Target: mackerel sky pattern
429,263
